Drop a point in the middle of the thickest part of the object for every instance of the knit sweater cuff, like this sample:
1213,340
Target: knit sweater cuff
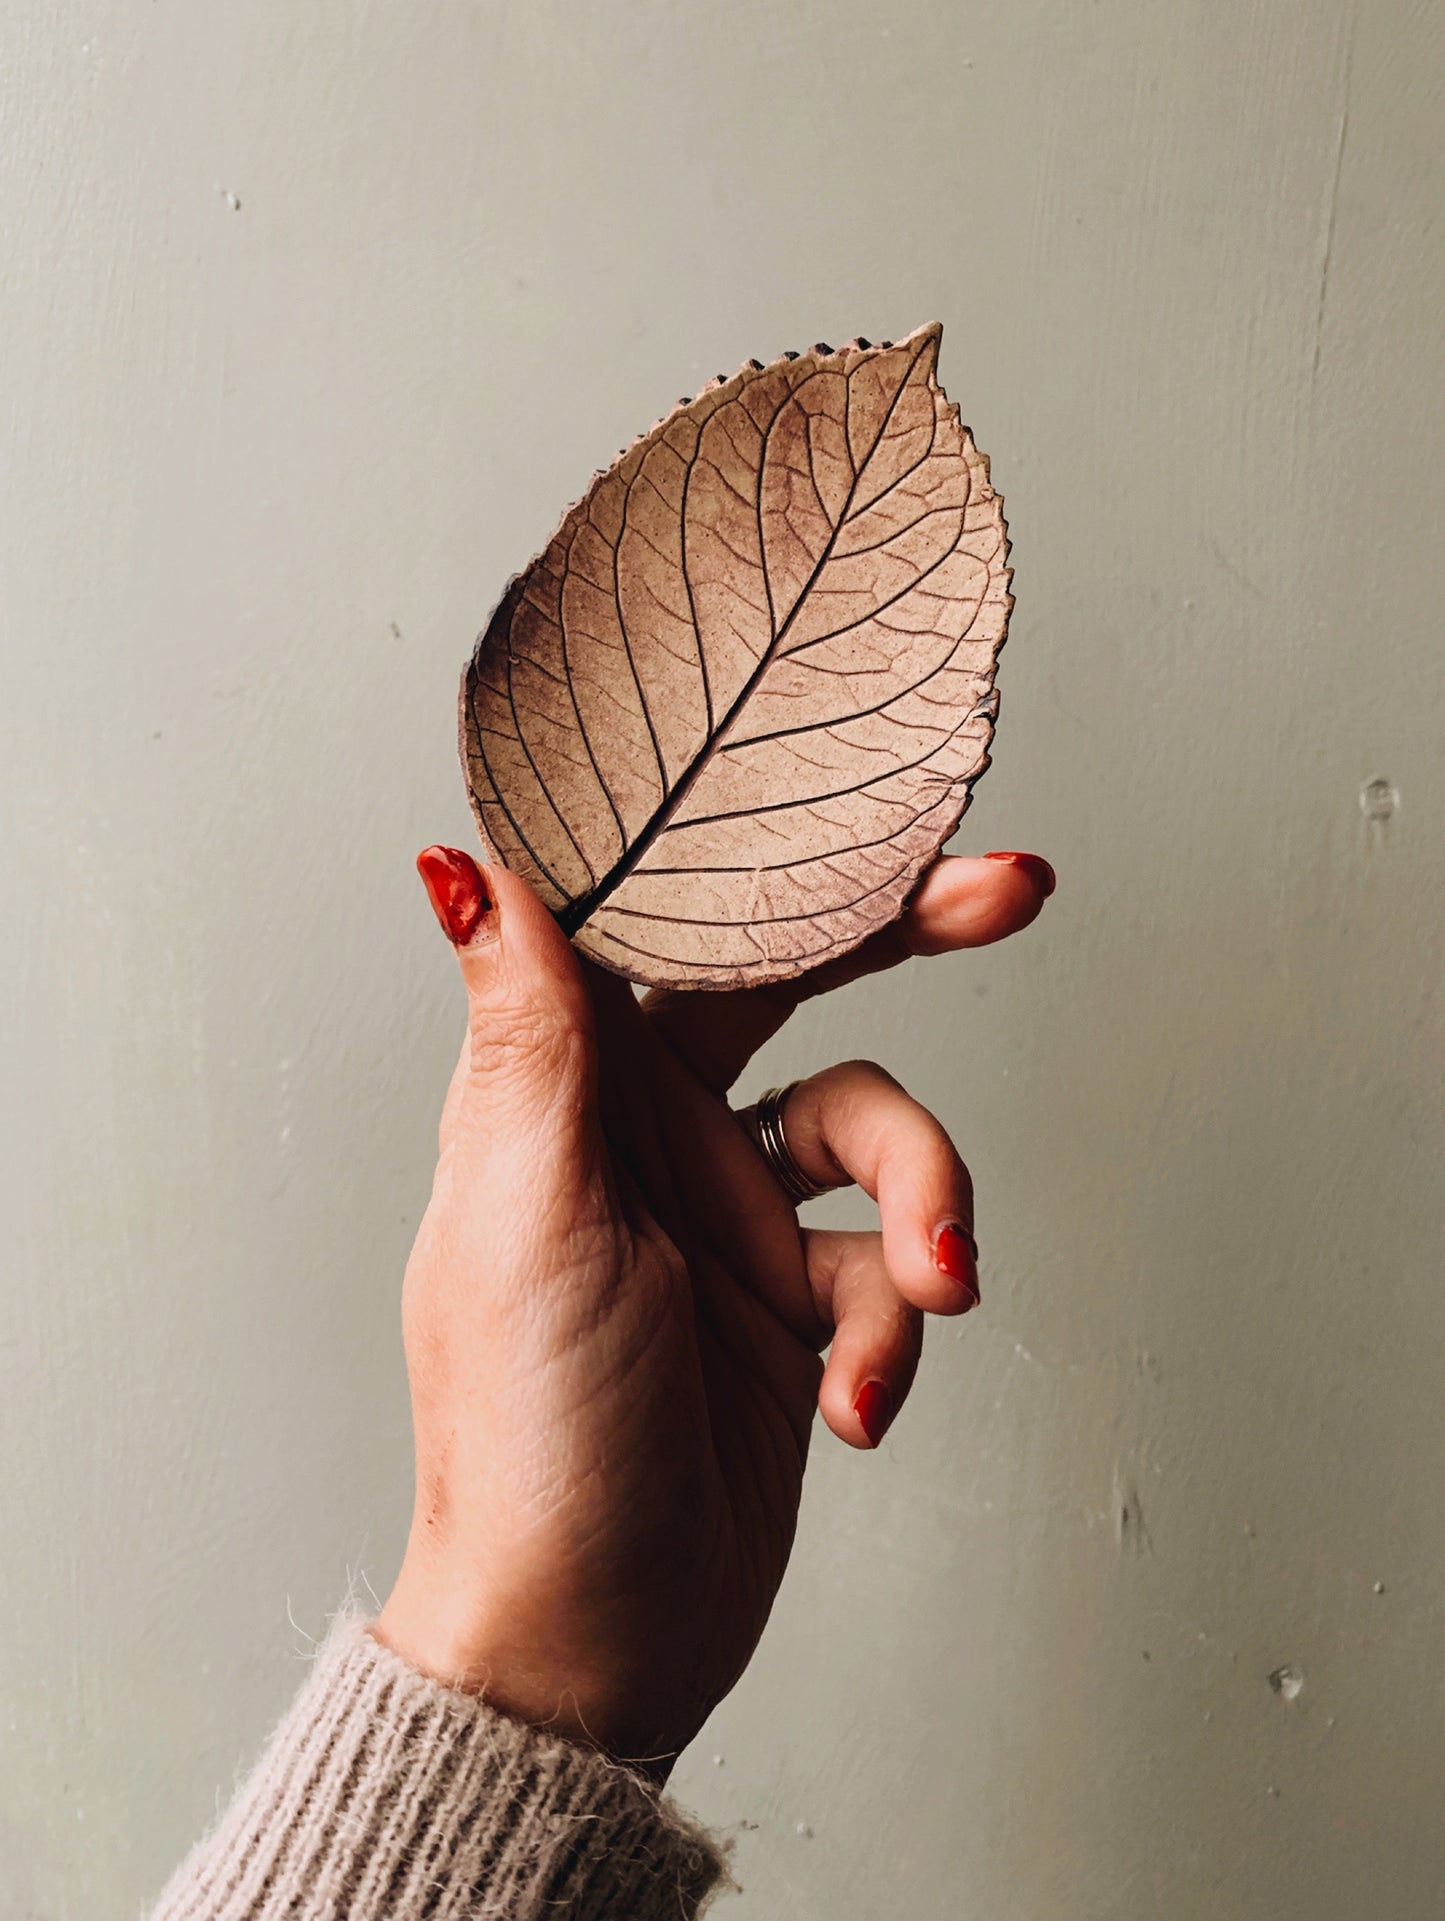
385,1794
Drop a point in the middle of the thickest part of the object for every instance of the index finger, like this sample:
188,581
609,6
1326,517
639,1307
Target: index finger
960,902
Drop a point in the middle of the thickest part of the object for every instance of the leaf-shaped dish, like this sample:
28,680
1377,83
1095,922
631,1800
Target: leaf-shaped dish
728,715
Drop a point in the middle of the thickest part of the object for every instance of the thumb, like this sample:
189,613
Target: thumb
529,1063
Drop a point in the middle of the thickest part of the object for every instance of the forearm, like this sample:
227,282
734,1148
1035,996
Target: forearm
385,1794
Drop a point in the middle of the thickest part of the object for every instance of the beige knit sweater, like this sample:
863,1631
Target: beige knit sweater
385,1794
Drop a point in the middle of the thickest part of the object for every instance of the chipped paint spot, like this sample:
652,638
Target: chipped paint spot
1288,1682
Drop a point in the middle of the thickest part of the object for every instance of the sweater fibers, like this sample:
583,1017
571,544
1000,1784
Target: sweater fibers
386,1796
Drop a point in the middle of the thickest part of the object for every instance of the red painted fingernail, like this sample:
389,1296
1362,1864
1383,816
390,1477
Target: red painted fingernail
955,1253
1035,866
459,895
874,1408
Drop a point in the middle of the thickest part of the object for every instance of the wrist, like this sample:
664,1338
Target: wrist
437,1625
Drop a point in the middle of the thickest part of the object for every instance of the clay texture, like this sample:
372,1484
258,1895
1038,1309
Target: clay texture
735,707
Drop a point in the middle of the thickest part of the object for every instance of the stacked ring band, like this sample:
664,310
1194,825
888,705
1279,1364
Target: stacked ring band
775,1150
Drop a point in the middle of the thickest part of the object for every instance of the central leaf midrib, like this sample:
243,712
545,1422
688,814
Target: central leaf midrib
578,911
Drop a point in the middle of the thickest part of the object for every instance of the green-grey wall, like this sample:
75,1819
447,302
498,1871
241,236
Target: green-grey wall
313,318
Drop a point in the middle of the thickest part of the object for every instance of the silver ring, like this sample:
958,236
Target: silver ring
773,1143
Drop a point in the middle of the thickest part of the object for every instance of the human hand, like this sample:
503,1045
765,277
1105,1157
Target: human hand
614,1322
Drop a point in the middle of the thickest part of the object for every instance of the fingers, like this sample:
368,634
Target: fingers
960,902
972,903
855,1123
877,1337
527,1064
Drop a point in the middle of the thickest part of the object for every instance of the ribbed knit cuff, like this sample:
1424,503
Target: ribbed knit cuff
385,1794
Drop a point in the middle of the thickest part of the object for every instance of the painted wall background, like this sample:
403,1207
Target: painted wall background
313,319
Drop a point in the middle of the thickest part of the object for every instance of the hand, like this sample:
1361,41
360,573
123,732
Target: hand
614,1322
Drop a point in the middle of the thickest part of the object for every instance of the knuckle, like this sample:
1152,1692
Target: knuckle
901,1333
865,1074
524,1038
857,1096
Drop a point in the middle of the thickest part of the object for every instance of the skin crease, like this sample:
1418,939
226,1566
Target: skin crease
614,1323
